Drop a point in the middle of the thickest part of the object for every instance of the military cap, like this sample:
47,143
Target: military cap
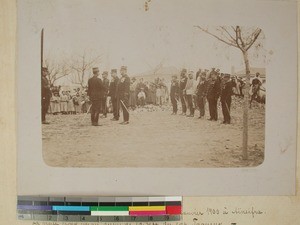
226,75
95,69
113,70
105,73
123,67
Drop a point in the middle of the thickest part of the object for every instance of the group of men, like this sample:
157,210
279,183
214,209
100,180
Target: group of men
207,85
98,90
118,90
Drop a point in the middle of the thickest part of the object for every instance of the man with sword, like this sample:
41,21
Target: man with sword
123,91
95,92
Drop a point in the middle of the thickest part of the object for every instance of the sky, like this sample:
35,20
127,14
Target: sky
123,33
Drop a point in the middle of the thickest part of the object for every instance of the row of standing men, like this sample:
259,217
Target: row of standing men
210,86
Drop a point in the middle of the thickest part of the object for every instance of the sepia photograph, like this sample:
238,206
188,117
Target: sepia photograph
190,95
198,92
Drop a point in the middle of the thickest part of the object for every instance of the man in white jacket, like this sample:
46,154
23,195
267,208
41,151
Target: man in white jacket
190,91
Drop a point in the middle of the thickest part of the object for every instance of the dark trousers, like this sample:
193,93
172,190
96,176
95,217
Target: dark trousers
95,111
213,109
183,103
124,104
201,105
174,104
45,107
226,103
189,99
116,107
103,106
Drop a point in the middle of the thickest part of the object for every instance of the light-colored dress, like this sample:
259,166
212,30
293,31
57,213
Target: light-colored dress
64,103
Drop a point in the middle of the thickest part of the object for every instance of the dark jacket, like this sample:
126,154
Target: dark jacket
105,83
213,89
95,88
174,90
123,88
226,91
46,92
202,89
113,88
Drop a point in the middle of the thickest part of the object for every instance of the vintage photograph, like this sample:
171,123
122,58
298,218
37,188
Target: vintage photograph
150,90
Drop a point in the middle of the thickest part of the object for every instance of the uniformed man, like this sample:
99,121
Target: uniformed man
113,95
182,94
201,94
46,94
105,83
255,85
174,93
213,94
123,93
95,90
226,98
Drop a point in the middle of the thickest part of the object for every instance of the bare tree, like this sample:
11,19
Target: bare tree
56,70
81,67
242,39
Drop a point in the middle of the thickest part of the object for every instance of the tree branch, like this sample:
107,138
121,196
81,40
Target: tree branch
217,37
256,33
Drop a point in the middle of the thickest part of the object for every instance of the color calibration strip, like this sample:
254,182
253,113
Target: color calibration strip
100,209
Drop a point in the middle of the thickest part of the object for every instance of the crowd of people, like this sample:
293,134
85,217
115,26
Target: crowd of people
103,96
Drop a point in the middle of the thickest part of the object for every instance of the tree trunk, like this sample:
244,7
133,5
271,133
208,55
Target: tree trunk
246,106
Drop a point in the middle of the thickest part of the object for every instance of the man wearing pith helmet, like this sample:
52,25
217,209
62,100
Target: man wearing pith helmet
123,94
95,89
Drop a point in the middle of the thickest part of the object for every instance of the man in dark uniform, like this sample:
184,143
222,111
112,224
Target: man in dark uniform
113,95
95,90
46,94
226,98
105,83
182,94
213,93
123,94
201,94
174,93
256,83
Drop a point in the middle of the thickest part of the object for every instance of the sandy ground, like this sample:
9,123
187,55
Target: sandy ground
153,139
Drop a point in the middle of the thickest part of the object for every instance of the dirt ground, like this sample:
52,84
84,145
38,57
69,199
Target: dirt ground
154,138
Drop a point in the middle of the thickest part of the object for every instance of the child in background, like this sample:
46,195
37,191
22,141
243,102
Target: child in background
141,97
55,101
77,103
71,108
64,103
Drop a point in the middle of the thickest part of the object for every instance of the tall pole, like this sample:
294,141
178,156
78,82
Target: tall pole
42,49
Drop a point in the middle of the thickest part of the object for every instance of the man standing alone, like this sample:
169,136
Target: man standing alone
46,94
95,93
123,93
